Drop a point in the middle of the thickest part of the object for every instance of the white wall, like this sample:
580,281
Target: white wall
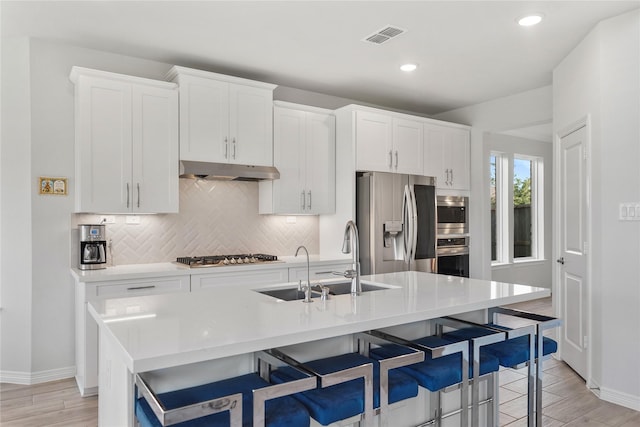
15,219
512,112
601,79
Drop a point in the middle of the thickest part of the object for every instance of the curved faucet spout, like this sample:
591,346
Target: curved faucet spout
307,288
351,244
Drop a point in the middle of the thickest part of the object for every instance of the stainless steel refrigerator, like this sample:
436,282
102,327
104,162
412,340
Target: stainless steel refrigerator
396,219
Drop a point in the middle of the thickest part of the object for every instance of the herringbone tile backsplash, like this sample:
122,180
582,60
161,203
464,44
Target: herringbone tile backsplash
216,217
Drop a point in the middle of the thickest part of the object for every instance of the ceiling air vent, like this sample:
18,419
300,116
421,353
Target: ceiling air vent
384,34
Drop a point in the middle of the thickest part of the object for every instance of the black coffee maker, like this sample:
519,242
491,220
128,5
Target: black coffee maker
93,246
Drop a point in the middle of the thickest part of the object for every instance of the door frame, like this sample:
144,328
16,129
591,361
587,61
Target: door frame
556,273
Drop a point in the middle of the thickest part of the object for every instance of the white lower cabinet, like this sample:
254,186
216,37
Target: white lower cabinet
317,272
200,282
86,328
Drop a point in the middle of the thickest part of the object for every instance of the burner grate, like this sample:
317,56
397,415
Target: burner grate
223,260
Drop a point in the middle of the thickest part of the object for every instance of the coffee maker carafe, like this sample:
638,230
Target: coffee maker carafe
93,247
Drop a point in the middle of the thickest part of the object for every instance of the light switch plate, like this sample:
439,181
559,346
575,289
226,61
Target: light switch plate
629,211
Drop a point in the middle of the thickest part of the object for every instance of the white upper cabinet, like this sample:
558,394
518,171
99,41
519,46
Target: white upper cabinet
126,143
388,144
224,119
408,146
446,156
304,154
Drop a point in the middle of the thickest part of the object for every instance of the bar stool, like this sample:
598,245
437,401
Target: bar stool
484,366
349,385
247,400
521,347
446,364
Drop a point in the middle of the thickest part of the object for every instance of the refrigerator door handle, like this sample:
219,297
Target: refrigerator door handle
414,222
411,232
406,218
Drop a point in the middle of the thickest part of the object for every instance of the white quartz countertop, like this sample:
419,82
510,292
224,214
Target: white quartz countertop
162,331
136,271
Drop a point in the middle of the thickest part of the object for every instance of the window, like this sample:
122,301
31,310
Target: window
516,208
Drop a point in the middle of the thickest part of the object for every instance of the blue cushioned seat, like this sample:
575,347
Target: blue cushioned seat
280,412
435,373
341,401
511,352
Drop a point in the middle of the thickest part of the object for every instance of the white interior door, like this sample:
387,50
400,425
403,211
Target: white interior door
573,242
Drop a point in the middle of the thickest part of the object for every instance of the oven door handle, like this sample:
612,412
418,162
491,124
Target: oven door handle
452,251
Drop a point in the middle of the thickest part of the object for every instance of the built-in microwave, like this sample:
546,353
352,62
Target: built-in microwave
453,217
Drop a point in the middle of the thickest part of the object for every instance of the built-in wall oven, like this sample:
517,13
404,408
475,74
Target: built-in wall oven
452,215
452,244
452,256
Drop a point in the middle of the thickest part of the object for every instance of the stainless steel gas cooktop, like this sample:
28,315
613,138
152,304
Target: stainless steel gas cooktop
224,260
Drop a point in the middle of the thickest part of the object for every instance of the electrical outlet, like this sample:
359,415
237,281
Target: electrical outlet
133,219
107,219
629,211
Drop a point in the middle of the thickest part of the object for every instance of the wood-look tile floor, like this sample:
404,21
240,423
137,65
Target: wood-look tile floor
566,400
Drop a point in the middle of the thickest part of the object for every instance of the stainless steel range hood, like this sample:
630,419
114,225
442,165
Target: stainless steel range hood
226,171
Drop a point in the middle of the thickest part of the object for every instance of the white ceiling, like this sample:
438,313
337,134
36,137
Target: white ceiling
468,51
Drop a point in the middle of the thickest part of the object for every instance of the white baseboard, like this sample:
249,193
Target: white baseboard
29,378
623,399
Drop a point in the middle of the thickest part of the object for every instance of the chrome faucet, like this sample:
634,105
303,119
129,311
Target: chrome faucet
307,288
351,245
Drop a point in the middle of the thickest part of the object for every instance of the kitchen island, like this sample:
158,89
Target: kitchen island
173,336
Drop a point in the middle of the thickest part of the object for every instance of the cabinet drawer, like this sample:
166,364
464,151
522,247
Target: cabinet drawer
245,278
317,273
148,286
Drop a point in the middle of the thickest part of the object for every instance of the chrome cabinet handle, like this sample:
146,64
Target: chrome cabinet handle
302,198
137,288
234,148
226,148
138,186
560,260
309,192
390,158
127,194
451,170
396,159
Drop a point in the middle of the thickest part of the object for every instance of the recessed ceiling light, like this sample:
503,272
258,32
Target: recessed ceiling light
529,20
409,67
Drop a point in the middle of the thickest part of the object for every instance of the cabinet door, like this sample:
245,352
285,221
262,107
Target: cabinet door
251,125
434,144
204,119
457,157
373,142
155,150
103,145
289,157
320,163
408,146
317,272
245,279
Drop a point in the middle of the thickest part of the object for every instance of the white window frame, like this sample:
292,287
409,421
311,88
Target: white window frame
504,209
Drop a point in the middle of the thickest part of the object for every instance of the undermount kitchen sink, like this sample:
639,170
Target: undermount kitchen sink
335,288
